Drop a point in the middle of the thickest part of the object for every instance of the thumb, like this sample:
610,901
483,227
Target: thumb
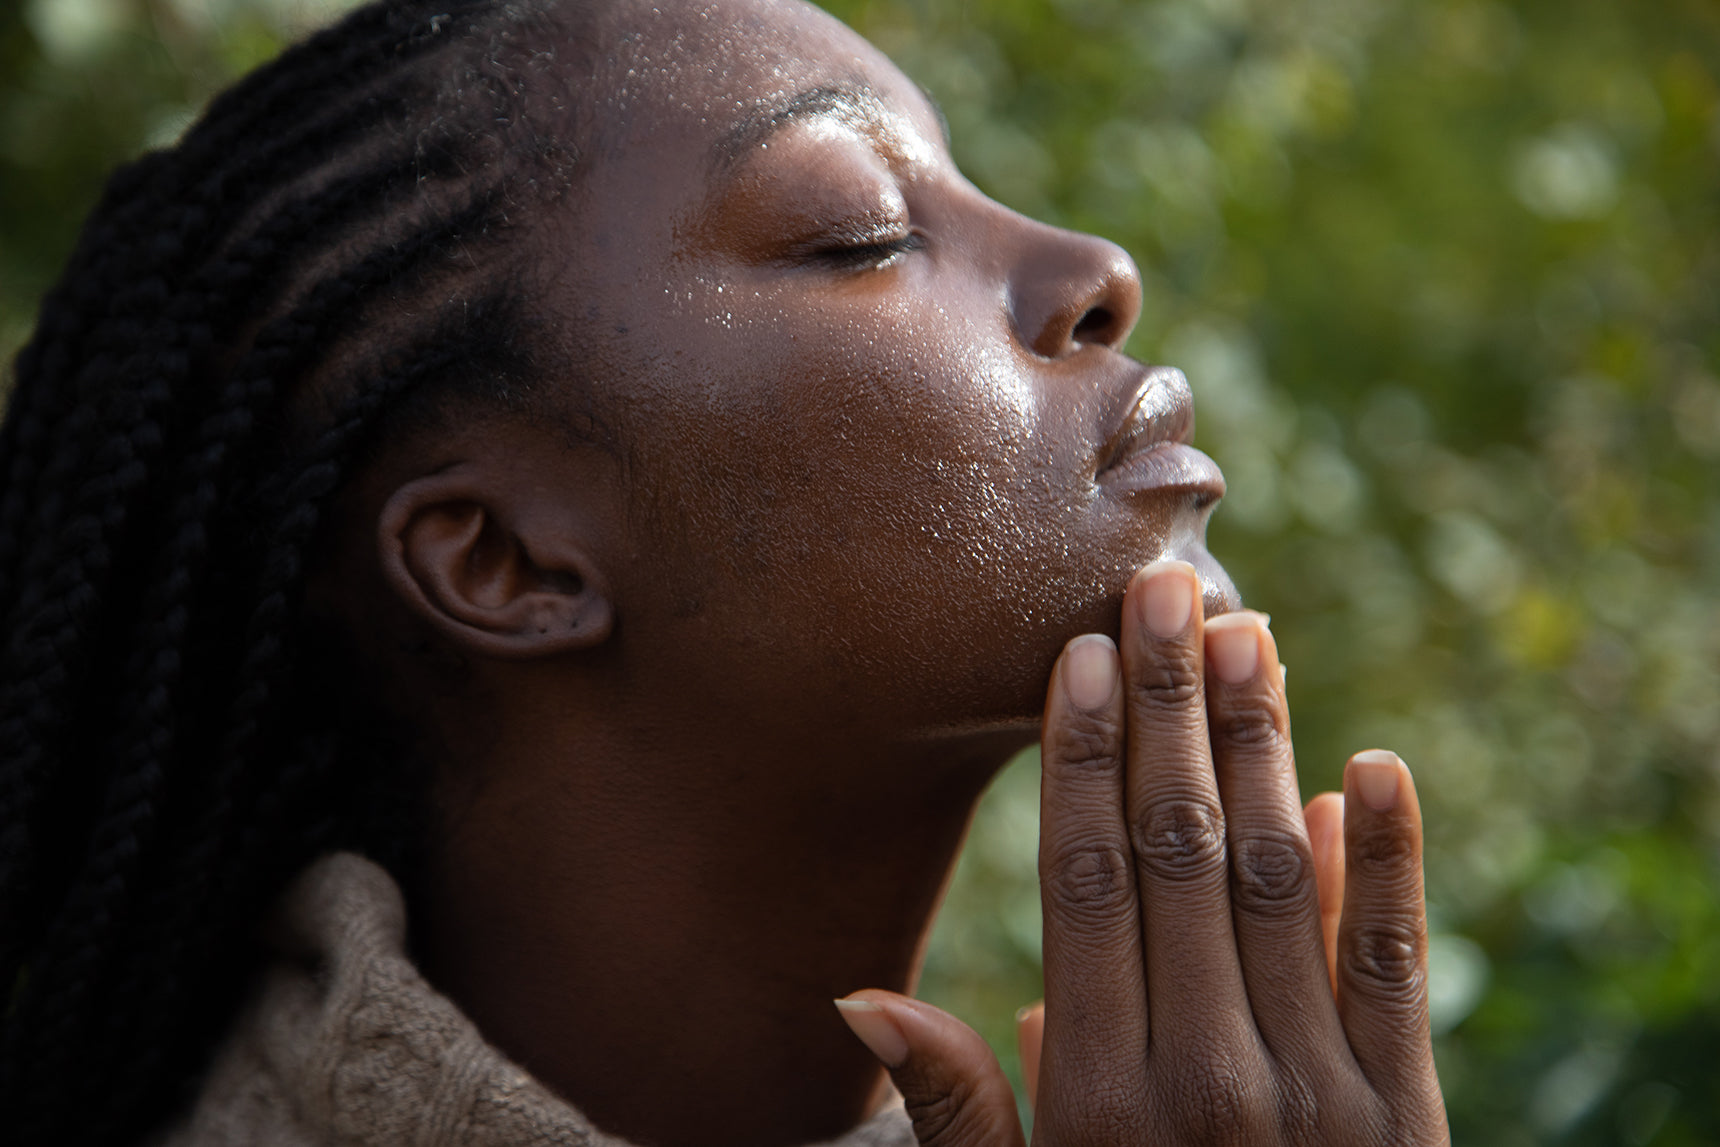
953,1089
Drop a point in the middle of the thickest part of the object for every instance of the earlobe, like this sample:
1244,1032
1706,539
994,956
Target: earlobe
497,575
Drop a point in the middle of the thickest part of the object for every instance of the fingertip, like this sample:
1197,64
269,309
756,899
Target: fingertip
1240,645
1378,777
1090,671
1324,813
1325,818
1326,800
1029,1040
869,1019
1165,594
1155,569
918,1026
1233,646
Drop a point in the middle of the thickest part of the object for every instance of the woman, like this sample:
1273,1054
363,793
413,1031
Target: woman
604,465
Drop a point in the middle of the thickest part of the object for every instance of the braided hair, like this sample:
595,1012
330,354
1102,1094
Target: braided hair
247,314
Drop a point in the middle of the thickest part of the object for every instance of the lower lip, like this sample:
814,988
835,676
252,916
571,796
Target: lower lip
1166,466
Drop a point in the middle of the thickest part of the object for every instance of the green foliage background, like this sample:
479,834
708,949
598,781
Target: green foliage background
1445,275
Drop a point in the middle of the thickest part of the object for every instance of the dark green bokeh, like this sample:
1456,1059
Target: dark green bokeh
1445,276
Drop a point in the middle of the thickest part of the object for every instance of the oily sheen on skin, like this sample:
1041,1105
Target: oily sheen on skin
714,691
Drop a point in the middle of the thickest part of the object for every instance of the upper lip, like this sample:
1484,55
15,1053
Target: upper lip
1158,408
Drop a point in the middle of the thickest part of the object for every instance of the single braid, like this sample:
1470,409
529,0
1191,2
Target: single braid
332,227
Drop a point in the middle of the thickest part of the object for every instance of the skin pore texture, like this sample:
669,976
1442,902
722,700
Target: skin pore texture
715,687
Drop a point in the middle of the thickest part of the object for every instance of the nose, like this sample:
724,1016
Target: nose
1070,290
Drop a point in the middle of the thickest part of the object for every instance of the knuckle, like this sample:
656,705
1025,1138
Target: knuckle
1407,1119
941,1119
1170,681
1088,744
1388,955
1181,839
1090,881
1298,1107
1251,724
1274,874
1380,853
935,1118
1218,1103
1100,1111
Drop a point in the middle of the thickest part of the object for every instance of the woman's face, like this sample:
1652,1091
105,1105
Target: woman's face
883,453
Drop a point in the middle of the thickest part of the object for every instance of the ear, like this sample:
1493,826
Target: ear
492,566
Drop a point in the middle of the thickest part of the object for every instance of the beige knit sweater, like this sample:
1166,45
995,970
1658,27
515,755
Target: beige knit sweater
347,1044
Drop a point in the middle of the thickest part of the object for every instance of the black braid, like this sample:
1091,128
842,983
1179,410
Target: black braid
163,767
259,677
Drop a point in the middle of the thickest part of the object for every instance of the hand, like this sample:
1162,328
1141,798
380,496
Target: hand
1324,818
1189,996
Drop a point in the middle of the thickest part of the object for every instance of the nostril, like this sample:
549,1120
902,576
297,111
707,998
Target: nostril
1094,326
1068,293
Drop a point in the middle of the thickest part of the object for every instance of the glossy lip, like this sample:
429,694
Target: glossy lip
1149,448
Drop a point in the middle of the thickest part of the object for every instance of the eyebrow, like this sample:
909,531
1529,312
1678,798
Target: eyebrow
856,100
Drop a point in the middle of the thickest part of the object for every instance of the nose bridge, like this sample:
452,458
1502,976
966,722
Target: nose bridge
1069,290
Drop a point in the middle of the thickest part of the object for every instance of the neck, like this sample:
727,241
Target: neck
658,934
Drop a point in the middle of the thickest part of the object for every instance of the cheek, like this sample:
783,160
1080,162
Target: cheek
869,437
891,501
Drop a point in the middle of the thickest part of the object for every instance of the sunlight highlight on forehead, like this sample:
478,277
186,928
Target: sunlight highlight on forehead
853,108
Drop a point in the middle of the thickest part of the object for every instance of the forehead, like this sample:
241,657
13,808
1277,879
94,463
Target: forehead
728,73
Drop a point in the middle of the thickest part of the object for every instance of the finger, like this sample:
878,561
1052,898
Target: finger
1382,942
951,1084
1275,900
1095,991
1325,819
1029,1037
1195,993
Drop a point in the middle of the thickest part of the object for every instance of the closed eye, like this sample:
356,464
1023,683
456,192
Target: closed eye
861,255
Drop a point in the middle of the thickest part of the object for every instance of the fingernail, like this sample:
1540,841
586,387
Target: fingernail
868,1021
1090,670
1233,647
1167,597
1377,778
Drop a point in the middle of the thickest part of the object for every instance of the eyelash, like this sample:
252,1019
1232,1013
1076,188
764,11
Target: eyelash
873,254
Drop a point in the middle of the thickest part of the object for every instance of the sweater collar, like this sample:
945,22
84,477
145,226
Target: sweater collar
345,1042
